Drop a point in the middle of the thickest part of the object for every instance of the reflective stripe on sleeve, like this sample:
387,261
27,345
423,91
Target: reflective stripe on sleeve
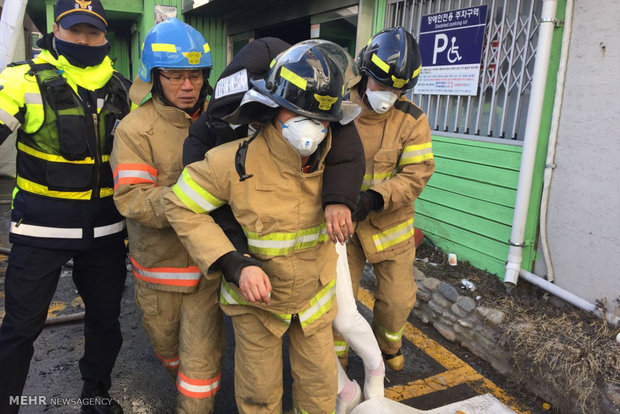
194,196
127,174
173,276
45,232
169,363
197,388
393,235
279,244
9,120
415,154
370,180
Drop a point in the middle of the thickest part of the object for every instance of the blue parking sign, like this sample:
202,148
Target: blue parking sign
451,48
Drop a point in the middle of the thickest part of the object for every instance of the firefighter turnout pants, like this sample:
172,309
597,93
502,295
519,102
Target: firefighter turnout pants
31,279
394,294
187,333
258,367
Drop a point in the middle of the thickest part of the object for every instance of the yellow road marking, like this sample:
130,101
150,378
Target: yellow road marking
459,372
55,308
439,382
77,302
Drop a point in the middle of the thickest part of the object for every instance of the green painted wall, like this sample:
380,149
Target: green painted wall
531,230
214,31
379,21
467,207
468,204
119,53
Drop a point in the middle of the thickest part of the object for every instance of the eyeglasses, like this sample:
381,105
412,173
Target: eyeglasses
177,79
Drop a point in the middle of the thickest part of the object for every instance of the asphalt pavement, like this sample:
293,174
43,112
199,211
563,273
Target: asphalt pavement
433,376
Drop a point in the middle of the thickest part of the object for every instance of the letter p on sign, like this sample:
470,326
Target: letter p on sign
441,43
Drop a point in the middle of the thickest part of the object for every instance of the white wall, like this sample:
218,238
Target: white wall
584,209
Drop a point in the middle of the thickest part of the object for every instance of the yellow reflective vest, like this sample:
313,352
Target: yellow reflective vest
280,211
399,163
63,197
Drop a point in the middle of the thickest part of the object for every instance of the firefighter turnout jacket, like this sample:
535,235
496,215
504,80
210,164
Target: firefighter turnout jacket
65,117
147,161
280,211
399,162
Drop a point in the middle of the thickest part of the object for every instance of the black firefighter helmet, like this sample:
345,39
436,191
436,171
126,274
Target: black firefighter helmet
307,79
392,58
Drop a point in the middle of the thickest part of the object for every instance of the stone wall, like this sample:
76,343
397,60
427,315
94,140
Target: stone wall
458,318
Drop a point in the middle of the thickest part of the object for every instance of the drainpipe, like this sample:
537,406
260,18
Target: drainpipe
553,139
569,297
530,143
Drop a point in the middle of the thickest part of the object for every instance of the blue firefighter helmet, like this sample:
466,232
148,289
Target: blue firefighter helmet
173,44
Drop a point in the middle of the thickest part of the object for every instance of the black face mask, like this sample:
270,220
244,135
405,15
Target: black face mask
82,55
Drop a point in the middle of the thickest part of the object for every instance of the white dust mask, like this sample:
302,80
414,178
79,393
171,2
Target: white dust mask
381,101
304,134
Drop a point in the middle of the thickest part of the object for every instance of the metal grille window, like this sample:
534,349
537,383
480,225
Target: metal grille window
500,108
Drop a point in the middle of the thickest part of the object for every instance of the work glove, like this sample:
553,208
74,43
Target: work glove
367,201
232,263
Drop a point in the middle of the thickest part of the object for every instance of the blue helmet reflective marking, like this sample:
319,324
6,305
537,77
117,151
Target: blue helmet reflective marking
175,45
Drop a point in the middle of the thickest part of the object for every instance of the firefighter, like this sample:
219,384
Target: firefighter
179,303
287,283
64,106
342,178
399,162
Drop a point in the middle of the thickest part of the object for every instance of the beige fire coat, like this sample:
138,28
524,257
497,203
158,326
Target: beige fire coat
399,162
147,161
280,211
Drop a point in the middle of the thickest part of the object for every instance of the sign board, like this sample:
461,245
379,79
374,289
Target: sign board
164,12
451,47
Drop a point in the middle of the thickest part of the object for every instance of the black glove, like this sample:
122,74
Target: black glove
232,263
367,201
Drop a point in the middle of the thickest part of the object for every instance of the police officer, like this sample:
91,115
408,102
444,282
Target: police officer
399,162
288,283
179,304
65,106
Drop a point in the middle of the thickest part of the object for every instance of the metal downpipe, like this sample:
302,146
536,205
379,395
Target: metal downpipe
530,144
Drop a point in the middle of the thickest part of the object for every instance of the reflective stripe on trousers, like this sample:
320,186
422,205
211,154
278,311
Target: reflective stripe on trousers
169,363
390,336
64,233
197,388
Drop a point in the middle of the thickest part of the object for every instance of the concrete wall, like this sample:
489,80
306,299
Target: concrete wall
584,208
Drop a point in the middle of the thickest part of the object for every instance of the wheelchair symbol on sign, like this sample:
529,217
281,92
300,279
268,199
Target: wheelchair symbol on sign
441,44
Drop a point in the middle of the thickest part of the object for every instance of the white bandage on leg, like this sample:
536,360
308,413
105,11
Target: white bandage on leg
355,329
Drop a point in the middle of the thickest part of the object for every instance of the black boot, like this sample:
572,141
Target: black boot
95,400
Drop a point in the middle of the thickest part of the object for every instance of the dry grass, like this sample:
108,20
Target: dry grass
571,354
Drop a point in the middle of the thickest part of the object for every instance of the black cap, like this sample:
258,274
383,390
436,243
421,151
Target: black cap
68,13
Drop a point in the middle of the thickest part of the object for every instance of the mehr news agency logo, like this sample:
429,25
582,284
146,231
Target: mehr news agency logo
43,400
